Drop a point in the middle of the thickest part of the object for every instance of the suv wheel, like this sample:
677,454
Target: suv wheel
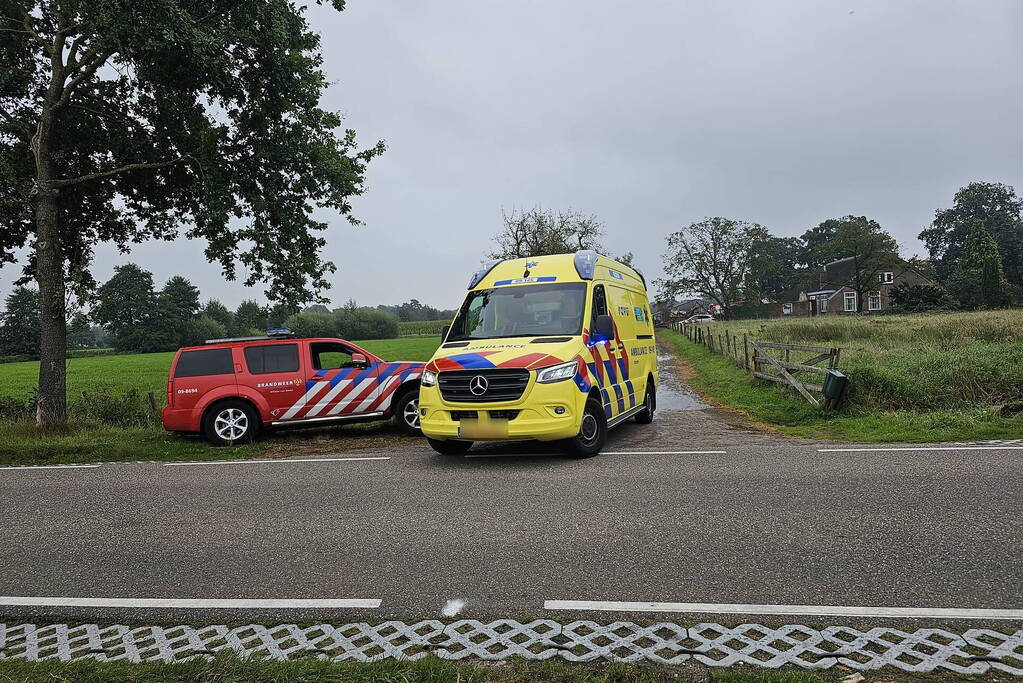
592,432
230,422
406,413
450,447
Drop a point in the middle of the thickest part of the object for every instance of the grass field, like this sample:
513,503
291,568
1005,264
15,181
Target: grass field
148,371
952,361
914,378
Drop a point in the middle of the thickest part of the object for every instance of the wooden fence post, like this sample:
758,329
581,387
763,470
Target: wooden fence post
745,350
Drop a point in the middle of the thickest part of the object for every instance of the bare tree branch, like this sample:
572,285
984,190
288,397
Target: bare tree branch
66,182
87,70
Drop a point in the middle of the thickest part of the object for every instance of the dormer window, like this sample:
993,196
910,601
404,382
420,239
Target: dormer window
886,277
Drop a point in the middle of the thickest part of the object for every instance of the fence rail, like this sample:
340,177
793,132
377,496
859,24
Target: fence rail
770,361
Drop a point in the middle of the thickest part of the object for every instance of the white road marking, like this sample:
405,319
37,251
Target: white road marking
663,453
922,448
799,610
50,467
188,603
274,461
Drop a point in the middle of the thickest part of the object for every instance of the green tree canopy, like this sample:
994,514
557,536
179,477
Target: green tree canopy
712,258
998,208
978,280
19,323
218,311
249,318
125,306
127,121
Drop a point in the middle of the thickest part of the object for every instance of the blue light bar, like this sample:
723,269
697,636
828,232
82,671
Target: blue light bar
482,272
586,263
278,332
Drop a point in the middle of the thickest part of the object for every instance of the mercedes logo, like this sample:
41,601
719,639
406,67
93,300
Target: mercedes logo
478,385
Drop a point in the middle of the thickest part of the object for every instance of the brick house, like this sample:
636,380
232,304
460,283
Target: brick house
831,290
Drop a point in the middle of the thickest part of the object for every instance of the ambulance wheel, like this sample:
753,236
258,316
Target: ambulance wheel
230,422
646,416
592,432
450,447
406,412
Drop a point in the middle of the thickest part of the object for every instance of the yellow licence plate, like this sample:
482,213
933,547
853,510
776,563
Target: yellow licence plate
483,429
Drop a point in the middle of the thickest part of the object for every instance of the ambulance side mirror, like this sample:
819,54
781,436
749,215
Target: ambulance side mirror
444,332
603,329
359,360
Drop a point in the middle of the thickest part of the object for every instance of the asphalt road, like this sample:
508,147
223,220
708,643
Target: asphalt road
768,521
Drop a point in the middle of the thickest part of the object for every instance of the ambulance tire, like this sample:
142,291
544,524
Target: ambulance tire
592,432
646,416
449,447
406,412
230,423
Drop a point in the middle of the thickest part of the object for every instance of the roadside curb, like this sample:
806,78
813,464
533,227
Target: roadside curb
974,651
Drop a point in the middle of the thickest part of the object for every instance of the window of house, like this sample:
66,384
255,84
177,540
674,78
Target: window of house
887,277
874,301
786,309
850,302
822,305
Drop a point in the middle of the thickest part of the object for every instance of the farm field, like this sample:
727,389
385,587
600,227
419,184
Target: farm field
914,362
914,378
146,372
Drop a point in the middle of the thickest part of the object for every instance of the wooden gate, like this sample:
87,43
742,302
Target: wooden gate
788,369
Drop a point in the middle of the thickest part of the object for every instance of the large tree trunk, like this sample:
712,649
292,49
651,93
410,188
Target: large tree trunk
51,409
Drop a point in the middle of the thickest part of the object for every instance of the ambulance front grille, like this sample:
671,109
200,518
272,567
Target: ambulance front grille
501,385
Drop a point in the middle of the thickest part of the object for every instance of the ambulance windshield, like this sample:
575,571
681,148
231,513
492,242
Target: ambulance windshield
522,311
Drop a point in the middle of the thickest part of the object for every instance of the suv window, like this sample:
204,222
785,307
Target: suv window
204,362
263,360
330,355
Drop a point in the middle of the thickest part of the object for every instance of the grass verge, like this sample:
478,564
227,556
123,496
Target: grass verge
726,385
227,669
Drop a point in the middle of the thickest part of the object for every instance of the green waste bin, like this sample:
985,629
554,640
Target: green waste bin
835,386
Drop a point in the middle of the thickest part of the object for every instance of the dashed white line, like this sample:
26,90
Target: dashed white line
798,610
664,453
921,448
51,467
188,603
274,461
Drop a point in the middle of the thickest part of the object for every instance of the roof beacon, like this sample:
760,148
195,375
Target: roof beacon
482,272
586,263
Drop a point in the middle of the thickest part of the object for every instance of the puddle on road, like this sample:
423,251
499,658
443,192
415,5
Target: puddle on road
672,393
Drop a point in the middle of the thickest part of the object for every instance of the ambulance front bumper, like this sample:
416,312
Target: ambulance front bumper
545,412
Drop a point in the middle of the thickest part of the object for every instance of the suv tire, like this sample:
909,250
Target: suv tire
592,432
449,447
230,422
406,412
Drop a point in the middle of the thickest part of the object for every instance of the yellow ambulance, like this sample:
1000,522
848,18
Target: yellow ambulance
554,348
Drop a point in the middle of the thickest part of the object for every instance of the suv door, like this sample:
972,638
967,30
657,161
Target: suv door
275,373
342,385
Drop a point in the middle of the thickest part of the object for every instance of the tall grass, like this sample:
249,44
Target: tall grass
917,362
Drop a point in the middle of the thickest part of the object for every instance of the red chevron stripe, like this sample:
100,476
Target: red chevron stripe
354,403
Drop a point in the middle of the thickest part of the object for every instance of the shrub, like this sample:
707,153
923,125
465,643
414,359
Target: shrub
130,409
313,325
365,323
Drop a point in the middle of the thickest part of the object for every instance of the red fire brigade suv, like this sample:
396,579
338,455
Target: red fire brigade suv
230,389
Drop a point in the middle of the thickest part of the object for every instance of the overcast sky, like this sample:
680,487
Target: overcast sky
650,114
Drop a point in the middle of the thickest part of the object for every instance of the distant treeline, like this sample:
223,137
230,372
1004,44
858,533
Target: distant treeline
129,314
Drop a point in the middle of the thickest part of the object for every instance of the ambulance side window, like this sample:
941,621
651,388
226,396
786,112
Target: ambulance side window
599,304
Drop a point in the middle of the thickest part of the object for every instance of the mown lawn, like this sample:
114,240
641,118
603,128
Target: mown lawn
898,378
147,372
427,670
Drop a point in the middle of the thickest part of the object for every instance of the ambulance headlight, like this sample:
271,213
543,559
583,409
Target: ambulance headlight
557,373
428,378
